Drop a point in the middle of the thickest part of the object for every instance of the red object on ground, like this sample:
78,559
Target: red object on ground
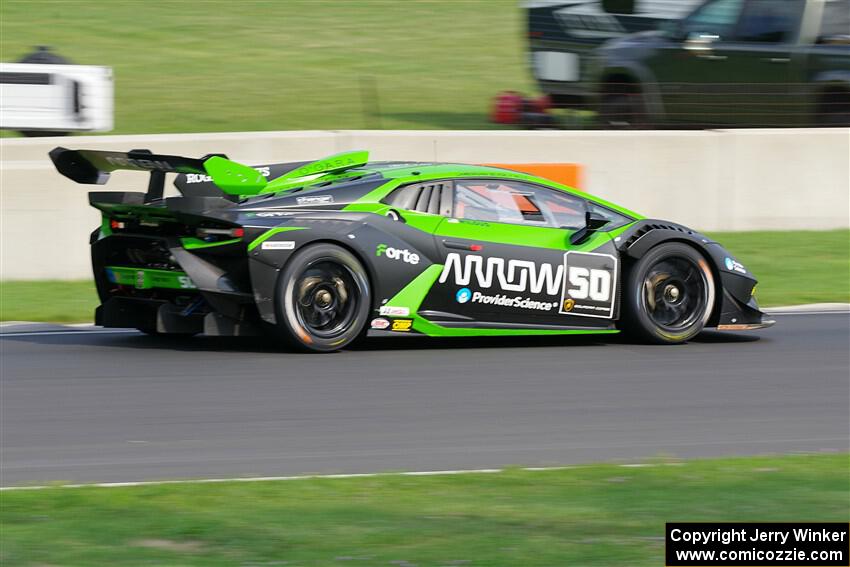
507,108
542,104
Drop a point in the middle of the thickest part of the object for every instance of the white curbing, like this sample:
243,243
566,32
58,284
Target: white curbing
809,309
317,476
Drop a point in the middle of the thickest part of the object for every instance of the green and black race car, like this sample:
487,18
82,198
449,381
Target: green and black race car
325,252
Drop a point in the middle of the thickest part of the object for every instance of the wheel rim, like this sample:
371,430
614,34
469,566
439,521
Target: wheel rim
675,293
326,297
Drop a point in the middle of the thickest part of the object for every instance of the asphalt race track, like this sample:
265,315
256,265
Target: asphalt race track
106,407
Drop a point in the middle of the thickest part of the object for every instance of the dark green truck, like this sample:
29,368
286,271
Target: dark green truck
726,63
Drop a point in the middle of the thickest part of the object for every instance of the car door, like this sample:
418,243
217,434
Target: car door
730,63
508,261
686,67
760,64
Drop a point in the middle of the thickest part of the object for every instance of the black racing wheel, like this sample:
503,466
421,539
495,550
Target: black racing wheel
322,299
669,295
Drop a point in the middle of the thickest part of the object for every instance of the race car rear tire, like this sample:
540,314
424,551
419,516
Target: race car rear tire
669,295
323,299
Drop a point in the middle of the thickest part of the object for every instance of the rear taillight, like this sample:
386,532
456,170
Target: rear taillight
116,225
231,232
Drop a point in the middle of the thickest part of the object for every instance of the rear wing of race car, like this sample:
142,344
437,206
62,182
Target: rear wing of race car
94,167
234,179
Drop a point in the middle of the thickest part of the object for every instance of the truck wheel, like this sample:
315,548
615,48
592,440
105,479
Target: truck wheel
834,109
322,299
622,110
669,295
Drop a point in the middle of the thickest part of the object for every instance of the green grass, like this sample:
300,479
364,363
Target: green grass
300,64
792,267
588,516
59,301
795,267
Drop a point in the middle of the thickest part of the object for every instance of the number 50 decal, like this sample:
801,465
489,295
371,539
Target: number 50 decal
585,283
590,284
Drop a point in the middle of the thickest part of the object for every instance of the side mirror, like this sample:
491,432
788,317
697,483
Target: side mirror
592,223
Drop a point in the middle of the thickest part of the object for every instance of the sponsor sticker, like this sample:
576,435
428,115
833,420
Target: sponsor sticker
380,323
201,178
734,266
394,311
315,200
513,275
122,161
517,302
583,285
273,214
402,325
474,222
279,245
197,178
590,281
403,254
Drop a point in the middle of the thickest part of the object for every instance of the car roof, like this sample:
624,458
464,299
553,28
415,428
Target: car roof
398,169
402,172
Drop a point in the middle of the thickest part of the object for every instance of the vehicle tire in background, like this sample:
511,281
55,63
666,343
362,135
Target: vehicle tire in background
834,109
322,299
668,295
622,107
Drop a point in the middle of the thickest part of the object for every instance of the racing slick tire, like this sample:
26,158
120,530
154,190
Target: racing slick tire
322,299
669,295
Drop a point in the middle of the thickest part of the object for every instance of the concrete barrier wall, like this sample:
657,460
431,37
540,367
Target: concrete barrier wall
712,180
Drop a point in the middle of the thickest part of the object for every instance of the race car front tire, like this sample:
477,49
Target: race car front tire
669,295
323,299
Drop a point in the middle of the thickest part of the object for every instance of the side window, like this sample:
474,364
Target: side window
615,220
769,21
716,18
517,203
433,197
836,20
